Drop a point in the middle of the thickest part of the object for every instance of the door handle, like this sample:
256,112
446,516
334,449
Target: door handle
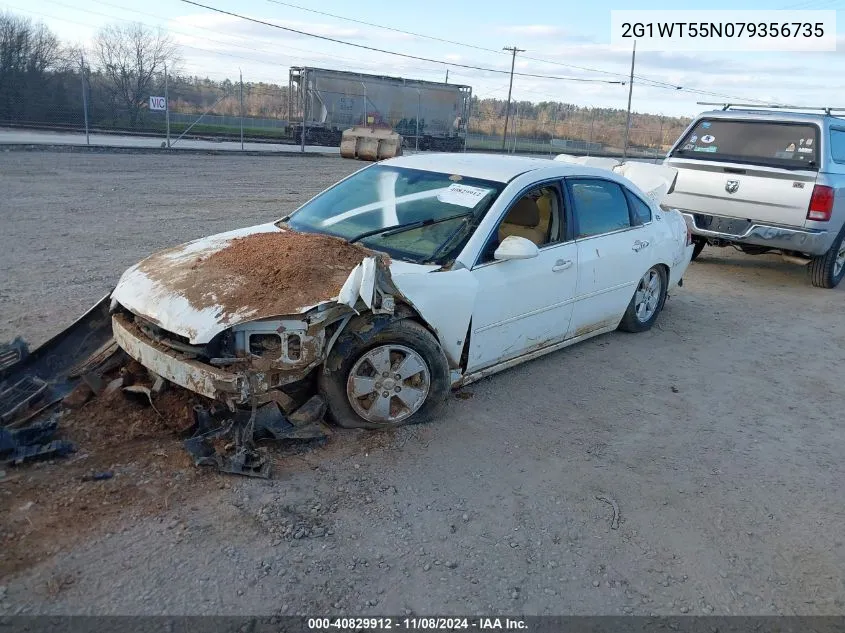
561,265
639,245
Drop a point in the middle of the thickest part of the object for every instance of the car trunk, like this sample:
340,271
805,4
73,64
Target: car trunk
758,170
763,194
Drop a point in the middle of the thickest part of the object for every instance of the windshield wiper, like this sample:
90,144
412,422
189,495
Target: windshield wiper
408,226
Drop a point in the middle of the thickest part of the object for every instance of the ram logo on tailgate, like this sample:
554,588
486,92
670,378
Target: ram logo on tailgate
731,186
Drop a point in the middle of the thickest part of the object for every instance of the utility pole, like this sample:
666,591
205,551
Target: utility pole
630,90
417,140
660,142
364,105
304,96
242,108
447,75
514,50
84,97
166,107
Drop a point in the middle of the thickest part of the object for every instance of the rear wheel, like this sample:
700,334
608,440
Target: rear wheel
647,302
399,376
826,271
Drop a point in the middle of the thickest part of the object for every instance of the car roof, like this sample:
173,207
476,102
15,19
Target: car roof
769,115
495,167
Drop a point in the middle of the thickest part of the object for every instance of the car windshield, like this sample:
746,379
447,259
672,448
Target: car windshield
790,145
411,214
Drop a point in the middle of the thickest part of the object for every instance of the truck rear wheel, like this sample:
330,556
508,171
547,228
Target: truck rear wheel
826,271
698,245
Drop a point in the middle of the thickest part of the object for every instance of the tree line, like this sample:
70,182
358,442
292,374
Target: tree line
43,82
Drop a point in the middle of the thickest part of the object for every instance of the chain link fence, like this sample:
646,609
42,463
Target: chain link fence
72,99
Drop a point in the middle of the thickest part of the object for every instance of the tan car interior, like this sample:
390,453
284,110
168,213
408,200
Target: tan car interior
530,217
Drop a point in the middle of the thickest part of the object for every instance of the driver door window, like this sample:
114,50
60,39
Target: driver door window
537,216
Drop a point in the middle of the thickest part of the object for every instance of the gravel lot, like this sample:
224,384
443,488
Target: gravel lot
718,433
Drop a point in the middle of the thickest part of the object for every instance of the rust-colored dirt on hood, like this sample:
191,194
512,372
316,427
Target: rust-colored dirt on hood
274,273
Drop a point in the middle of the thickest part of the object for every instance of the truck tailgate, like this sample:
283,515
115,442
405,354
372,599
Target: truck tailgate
764,194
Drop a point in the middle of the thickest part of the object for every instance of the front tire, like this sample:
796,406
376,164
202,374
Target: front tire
826,271
647,301
398,376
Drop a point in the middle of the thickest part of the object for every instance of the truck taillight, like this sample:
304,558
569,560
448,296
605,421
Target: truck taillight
821,203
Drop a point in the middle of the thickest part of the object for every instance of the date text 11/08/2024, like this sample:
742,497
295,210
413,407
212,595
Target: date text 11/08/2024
421,623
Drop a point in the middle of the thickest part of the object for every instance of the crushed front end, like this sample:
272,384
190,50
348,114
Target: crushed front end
240,366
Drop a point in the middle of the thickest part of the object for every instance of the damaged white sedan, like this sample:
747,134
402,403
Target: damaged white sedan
409,277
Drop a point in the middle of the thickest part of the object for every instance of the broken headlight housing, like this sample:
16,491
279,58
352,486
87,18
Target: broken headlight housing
278,341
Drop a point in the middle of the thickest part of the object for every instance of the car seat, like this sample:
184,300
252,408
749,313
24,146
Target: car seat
523,220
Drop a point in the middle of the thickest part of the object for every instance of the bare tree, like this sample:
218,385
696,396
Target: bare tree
130,56
28,51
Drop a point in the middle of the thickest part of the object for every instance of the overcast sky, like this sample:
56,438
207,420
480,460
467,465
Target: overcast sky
570,33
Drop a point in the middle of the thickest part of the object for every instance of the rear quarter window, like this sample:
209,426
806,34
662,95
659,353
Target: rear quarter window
837,145
778,144
640,211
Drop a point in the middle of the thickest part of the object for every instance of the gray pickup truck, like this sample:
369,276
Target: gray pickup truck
765,180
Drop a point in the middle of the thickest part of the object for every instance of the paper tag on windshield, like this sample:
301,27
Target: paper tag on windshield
462,195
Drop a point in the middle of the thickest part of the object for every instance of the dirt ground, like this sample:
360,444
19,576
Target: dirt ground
718,434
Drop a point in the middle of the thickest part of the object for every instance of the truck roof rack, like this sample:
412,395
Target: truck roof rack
773,106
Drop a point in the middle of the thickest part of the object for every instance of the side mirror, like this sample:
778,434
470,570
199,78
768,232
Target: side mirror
515,247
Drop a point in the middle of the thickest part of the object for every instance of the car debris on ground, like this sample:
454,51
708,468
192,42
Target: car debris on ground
33,402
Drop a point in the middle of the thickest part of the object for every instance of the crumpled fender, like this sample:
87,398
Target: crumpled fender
443,298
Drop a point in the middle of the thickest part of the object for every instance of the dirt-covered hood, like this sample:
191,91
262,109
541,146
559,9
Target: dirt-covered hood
206,286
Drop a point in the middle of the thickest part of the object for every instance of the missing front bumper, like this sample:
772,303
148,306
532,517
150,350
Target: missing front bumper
193,375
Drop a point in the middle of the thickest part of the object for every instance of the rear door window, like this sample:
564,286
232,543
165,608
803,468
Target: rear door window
791,145
600,206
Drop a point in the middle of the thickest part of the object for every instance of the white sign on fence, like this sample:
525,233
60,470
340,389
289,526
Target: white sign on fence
158,103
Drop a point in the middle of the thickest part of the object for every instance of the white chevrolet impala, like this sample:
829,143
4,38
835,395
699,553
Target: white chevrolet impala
470,264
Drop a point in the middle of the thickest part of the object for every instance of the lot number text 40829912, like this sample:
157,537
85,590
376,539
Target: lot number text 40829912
416,623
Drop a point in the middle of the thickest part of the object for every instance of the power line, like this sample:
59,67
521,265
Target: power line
381,26
189,46
438,39
171,30
653,83
389,52
159,17
650,82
